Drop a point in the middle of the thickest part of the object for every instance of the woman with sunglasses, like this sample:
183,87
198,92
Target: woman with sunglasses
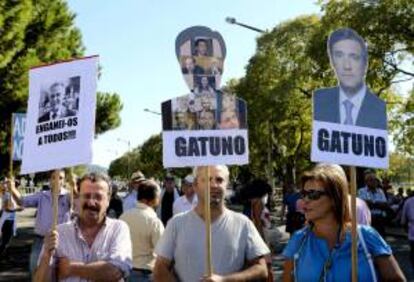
321,251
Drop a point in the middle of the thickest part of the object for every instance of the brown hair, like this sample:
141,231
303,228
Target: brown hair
96,177
336,186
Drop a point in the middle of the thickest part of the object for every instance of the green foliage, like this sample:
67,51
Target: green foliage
277,87
146,158
35,32
401,169
291,62
108,107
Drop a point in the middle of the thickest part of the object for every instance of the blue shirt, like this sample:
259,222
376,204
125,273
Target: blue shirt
315,252
377,196
290,201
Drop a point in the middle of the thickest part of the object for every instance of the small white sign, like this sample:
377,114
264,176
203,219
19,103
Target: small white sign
349,145
61,115
205,147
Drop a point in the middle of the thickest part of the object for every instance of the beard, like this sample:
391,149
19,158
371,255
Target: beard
216,201
91,208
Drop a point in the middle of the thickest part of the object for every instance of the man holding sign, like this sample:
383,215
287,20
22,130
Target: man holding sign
42,201
182,245
91,248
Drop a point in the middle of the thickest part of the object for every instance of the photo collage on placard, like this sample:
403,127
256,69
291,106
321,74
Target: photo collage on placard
201,60
59,99
217,111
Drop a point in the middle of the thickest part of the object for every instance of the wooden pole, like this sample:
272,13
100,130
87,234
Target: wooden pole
55,197
11,147
354,252
71,181
207,220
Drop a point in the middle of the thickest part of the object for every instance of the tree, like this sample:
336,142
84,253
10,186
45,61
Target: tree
291,62
108,107
276,88
35,32
148,159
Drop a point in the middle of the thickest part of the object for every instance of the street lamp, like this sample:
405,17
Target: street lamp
128,154
231,20
152,112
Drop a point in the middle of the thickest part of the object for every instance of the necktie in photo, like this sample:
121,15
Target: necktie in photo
348,112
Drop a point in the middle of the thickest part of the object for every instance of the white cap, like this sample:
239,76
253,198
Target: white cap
189,179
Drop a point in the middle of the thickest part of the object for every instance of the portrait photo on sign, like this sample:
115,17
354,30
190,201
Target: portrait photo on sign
351,102
59,99
200,52
349,121
216,110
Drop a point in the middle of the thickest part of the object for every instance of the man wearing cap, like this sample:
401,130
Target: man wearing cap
130,200
187,201
168,195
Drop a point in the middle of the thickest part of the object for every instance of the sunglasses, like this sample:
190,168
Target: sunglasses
312,194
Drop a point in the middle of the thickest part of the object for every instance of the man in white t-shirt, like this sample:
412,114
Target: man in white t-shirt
187,201
237,248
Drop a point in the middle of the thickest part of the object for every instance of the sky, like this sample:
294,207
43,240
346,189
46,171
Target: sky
135,41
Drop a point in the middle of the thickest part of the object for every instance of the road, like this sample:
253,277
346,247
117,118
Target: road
15,268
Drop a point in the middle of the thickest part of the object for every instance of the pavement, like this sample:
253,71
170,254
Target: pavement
15,267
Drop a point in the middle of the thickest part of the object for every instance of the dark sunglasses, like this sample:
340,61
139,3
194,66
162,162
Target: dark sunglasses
312,194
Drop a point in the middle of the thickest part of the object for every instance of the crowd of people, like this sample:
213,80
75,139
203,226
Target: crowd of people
157,233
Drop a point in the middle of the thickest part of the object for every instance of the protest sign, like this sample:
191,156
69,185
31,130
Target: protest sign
19,125
349,121
61,115
208,126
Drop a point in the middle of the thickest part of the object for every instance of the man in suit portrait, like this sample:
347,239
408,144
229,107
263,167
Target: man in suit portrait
54,102
351,102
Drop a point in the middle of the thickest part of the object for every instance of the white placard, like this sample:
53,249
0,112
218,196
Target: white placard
349,145
61,115
205,147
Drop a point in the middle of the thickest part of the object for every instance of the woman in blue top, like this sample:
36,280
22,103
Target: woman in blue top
321,251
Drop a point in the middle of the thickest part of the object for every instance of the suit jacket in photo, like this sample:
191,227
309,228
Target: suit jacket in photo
372,112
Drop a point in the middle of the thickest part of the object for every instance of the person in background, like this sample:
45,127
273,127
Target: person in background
407,219
259,191
375,198
130,200
187,201
169,194
321,251
42,201
295,219
115,208
146,229
7,218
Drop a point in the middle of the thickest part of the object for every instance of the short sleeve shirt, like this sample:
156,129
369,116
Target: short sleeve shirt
234,240
311,252
377,197
112,244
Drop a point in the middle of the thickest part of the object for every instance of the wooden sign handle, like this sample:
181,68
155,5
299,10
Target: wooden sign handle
354,252
11,147
55,198
207,222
